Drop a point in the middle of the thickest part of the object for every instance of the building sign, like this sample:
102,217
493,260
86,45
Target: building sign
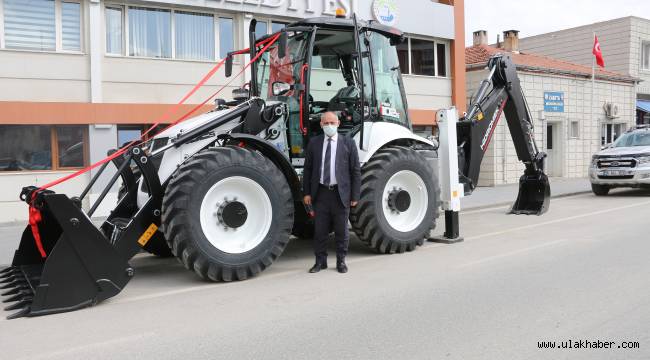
553,101
385,11
291,8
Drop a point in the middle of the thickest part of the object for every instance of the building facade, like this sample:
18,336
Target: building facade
625,43
567,117
80,77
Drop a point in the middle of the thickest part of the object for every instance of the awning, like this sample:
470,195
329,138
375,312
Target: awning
643,105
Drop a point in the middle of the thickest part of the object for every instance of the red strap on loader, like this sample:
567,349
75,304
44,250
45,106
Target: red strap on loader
35,214
34,219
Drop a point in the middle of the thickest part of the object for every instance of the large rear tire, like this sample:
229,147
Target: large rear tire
227,213
399,201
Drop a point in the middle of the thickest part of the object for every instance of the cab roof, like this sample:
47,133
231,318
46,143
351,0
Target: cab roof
346,23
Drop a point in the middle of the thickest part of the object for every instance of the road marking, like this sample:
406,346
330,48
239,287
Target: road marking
512,253
556,221
68,352
554,200
366,258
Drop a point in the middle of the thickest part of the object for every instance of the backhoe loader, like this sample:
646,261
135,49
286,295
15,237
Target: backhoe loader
222,191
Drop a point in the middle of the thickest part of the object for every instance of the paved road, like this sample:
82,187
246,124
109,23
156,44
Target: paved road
580,272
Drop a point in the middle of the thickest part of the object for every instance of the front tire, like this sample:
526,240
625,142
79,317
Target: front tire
227,213
600,190
399,201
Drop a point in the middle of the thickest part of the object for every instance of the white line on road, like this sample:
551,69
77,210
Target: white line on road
512,253
557,220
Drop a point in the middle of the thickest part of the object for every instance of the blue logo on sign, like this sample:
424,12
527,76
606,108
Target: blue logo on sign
553,101
385,11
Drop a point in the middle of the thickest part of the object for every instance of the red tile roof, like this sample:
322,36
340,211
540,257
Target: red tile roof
477,56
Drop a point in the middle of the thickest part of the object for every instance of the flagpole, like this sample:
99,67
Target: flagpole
593,78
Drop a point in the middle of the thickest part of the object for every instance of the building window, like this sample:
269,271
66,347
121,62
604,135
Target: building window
403,56
441,59
29,25
41,25
167,33
277,26
70,146
645,55
150,32
423,57
128,133
611,132
261,29
71,26
40,147
194,36
226,37
114,25
574,130
423,131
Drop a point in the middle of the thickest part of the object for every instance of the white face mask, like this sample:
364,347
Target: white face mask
330,130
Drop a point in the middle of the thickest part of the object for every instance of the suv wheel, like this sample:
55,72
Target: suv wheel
600,190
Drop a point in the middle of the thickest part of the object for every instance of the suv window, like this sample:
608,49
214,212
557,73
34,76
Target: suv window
637,138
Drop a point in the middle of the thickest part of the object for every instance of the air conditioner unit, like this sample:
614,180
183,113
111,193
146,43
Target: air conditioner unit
611,110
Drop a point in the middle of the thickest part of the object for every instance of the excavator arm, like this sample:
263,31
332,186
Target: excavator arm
501,94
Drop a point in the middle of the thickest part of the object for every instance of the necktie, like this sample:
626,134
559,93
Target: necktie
326,164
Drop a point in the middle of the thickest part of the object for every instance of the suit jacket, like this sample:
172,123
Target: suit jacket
347,171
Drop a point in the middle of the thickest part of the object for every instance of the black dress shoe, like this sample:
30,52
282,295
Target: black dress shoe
341,267
318,266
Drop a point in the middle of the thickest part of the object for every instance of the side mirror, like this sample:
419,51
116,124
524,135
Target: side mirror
280,88
606,146
228,71
282,45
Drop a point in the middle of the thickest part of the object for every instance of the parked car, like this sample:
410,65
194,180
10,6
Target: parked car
624,163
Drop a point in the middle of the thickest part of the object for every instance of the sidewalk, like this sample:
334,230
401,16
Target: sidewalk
506,194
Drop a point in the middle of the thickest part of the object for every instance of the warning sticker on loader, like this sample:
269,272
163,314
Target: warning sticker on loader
144,238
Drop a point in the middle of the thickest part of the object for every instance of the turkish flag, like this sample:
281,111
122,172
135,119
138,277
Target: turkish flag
597,53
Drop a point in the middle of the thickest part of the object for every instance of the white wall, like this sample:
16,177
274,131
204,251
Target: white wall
427,92
11,183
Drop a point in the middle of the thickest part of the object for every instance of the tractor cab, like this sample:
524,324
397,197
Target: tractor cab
316,67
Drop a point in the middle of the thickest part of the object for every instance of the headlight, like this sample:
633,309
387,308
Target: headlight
594,160
643,159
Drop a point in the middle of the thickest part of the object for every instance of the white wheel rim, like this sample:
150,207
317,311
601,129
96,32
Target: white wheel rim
257,225
412,217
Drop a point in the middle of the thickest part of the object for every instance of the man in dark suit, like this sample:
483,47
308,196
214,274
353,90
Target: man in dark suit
331,182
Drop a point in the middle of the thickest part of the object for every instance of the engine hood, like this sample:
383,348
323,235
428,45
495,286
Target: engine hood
191,123
628,150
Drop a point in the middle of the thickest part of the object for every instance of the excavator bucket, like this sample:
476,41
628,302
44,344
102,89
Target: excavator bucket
534,195
80,268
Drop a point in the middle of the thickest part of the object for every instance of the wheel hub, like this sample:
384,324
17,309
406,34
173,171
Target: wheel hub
399,200
232,214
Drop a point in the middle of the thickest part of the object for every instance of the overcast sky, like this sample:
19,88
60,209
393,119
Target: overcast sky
533,17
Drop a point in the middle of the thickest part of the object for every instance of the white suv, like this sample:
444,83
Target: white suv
625,163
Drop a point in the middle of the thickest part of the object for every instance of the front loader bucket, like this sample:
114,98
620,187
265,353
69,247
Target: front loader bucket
534,195
80,270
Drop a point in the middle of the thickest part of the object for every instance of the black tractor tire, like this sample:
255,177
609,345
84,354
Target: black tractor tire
181,213
368,219
600,190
